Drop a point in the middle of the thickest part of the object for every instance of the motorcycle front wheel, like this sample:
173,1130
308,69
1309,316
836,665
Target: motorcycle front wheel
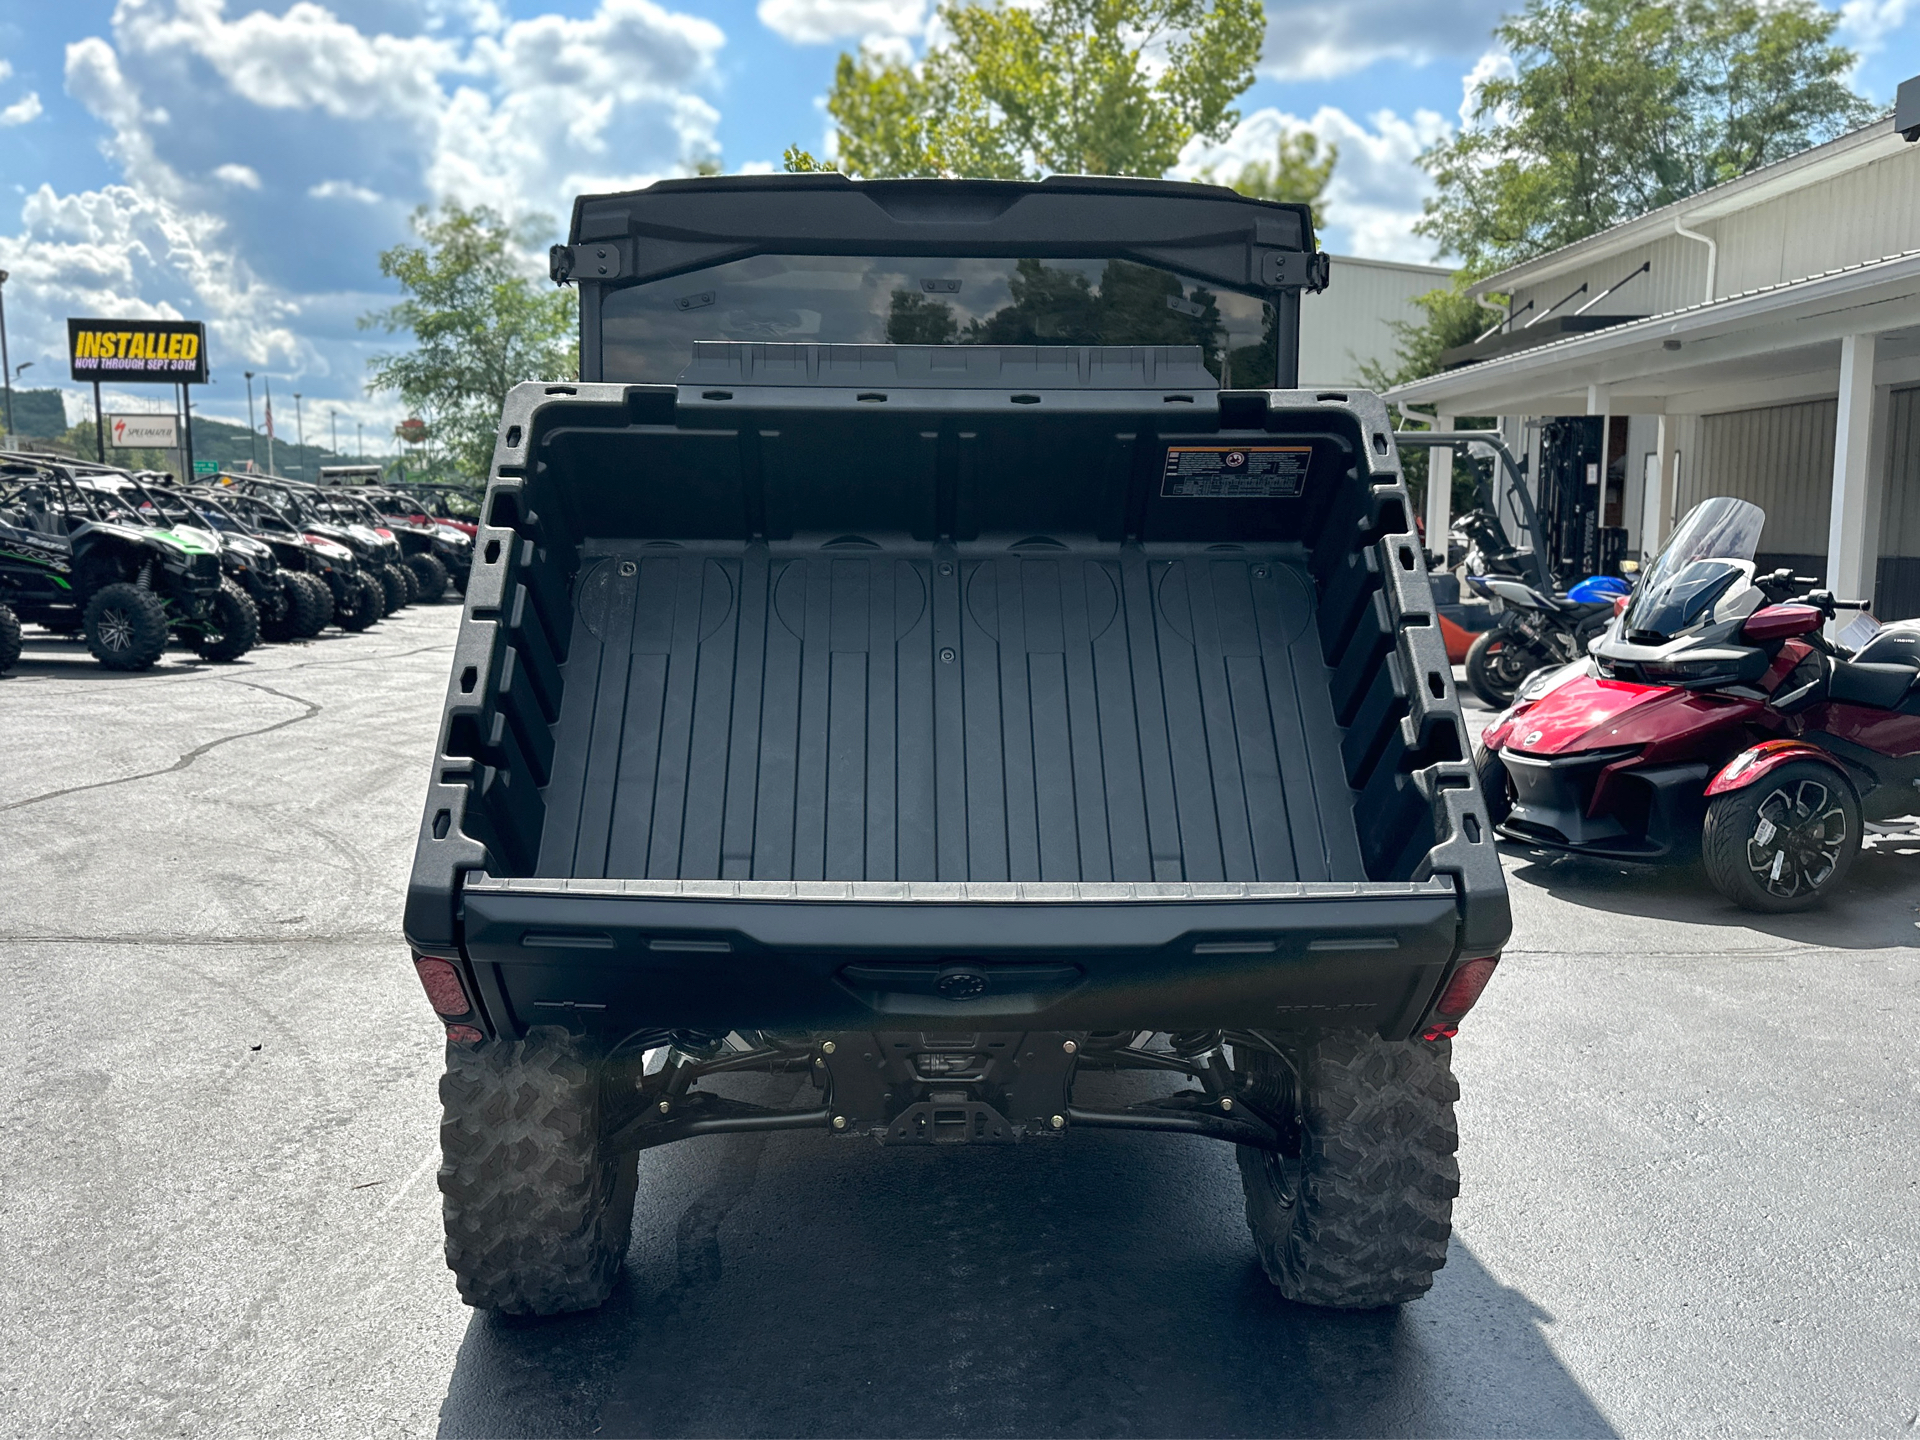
1498,664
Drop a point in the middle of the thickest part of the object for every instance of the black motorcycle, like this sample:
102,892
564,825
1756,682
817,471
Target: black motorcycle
1534,631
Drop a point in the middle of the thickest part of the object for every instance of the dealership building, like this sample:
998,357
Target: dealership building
1760,339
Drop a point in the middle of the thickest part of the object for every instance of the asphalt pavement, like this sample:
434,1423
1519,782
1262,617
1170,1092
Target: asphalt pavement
1690,1204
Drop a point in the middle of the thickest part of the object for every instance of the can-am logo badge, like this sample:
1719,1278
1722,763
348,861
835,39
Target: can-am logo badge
1532,737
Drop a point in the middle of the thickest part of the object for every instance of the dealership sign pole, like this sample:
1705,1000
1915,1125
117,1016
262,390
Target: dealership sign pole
146,352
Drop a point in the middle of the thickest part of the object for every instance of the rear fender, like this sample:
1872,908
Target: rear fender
1762,760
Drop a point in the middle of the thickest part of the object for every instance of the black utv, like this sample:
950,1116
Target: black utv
324,511
936,654
76,557
354,560
435,553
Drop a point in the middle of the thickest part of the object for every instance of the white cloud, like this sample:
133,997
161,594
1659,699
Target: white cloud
1309,40
343,190
817,22
459,102
1494,65
1866,23
1376,191
26,108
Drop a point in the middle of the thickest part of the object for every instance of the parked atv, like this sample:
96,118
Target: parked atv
293,604
945,723
436,552
76,557
9,638
340,593
357,556
247,565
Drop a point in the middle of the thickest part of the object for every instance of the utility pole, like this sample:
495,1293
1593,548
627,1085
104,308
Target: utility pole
6,365
253,442
360,441
333,420
272,466
300,428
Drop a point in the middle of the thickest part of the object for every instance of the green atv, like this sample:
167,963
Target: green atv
78,558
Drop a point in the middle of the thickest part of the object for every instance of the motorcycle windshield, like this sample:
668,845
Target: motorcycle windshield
1709,551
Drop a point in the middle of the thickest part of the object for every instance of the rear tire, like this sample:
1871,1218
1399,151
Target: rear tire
429,575
1810,821
1496,786
1497,666
1361,1216
393,581
10,642
126,627
231,629
538,1212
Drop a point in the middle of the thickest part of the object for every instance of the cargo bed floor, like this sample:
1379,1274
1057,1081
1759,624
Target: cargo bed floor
909,712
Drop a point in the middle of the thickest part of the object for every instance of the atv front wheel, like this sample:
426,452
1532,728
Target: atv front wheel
126,627
9,639
393,585
322,594
230,629
1786,841
538,1211
1359,1215
357,603
429,575
1498,665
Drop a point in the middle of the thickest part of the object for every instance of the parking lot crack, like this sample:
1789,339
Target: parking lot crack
313,708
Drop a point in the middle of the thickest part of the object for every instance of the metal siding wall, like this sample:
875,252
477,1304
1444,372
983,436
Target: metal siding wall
1780,458
1896,594
1351,322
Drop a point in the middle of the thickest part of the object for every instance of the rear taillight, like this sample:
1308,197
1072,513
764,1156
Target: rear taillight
446,992
464,1035
1463,989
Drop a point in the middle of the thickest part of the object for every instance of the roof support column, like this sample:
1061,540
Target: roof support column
1440,495
1847,571
1660,491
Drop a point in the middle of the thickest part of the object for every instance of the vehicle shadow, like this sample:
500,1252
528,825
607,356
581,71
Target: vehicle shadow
1873,910
1105,1285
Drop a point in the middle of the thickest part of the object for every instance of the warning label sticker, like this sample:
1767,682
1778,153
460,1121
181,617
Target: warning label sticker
1235,472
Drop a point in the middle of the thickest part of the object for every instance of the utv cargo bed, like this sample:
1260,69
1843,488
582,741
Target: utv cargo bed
787,689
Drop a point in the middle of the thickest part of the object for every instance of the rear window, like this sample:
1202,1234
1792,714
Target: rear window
647,331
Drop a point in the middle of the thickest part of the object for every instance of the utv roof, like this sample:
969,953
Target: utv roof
1206,231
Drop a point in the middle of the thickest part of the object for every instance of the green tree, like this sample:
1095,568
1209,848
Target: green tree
1450,317
480,325
1102,87
1617,107
1300,171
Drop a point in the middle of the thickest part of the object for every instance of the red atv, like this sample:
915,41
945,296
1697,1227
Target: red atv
1713,713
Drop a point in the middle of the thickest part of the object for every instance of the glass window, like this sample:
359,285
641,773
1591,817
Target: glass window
647,331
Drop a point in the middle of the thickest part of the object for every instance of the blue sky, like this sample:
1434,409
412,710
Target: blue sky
245,164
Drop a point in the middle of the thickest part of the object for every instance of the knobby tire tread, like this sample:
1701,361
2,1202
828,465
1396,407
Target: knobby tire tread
1376,1180
538,1213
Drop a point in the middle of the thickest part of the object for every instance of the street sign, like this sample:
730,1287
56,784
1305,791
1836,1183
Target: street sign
166,352
143,432
206,467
